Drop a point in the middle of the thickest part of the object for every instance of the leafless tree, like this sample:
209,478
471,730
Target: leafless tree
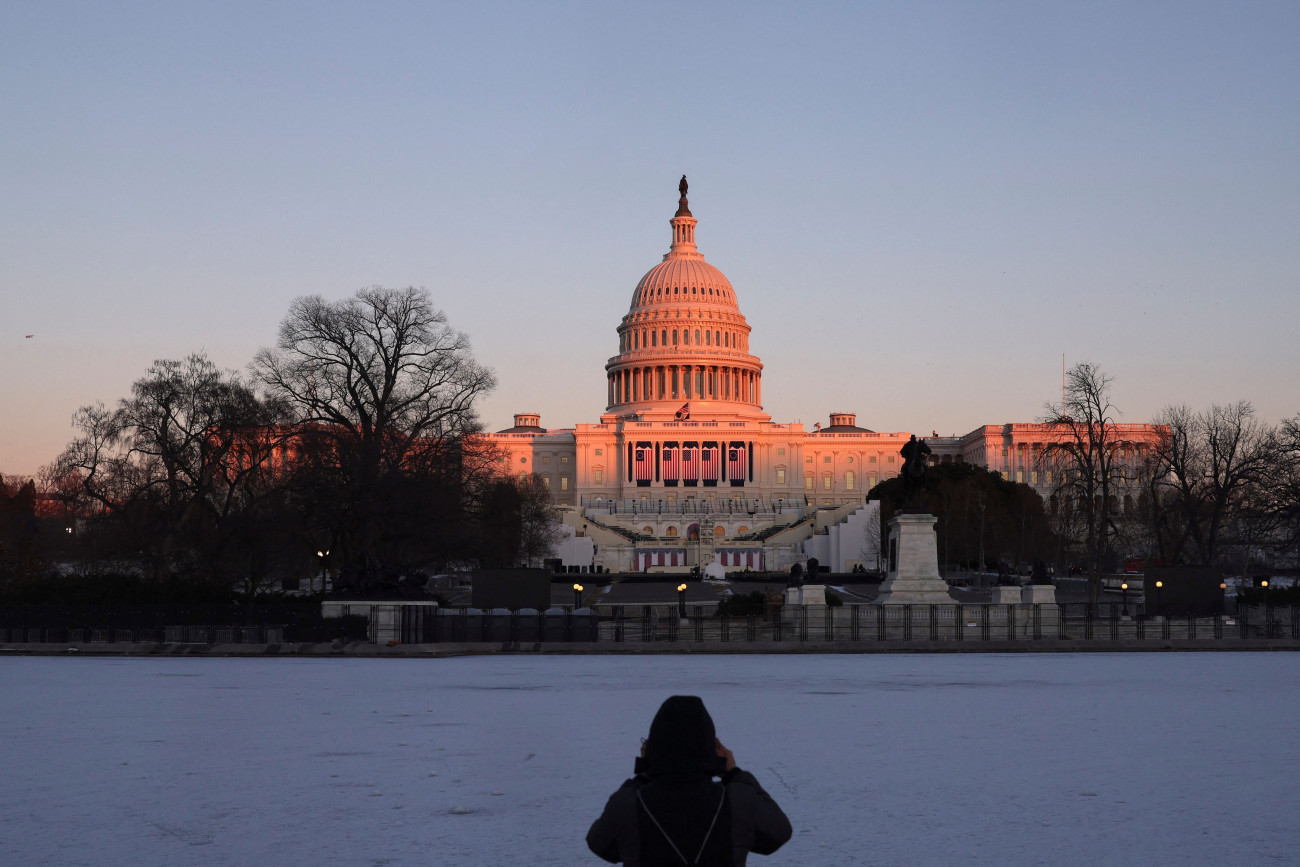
1212,469
169,464
1085,462
1284,489
539,522
386,390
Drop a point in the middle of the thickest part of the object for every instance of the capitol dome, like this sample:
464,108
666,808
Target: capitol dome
684,344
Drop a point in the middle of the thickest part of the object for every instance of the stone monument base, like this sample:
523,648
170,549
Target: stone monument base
1005,594
913,577
808,594
1038,594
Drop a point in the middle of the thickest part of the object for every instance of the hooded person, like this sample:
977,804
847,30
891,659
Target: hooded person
675,812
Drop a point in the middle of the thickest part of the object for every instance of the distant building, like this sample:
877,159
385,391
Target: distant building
684,468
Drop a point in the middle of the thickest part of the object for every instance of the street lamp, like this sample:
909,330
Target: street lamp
577,596
1268,612
681,600
1160,603
322,555
1124,589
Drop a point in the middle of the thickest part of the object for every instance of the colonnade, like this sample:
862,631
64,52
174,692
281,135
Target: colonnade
684,382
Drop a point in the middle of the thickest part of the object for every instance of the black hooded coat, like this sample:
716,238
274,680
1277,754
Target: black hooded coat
674,812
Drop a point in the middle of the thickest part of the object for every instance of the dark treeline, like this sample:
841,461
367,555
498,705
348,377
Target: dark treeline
348,449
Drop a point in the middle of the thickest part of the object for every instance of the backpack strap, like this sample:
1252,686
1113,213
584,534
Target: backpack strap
707,834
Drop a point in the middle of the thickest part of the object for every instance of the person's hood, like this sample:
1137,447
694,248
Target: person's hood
682,739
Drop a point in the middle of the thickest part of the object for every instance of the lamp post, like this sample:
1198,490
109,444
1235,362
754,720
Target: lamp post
1268,611
322,555
1124,589
577,596
1160,602
681,601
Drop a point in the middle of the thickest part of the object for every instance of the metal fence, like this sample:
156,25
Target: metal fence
142,635
861,624
849,623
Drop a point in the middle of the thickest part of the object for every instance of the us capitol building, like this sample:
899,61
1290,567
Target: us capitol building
685,469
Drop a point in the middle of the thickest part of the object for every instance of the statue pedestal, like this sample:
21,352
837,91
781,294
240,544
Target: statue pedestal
1038,594
1005,594
913,577
808,594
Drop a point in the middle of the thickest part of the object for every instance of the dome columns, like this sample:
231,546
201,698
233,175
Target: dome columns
722,383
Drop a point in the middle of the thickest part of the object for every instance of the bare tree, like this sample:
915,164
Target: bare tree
539,522
1284,489
163,464
1085,462
386,391
1212,468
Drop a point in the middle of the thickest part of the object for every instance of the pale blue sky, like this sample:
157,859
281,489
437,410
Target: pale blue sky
921,206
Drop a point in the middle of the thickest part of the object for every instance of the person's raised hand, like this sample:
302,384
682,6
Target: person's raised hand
724,753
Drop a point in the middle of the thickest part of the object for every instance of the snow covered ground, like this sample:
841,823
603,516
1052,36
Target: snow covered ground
1087,759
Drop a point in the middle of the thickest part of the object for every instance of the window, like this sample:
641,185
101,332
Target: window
598,476
850,481
826,483
564,483
871,460
1020,476
546,460
670,532
654,341
780,451
780,476
546,480
719,531
599,452
523,460
807,482
564,459
891,459
848,460
826,460
807,460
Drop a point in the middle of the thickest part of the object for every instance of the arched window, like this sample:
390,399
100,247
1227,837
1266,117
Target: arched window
654,339
649,531
719,531
717,338
663,337
671,532
697,337
707,336
674,337
741,529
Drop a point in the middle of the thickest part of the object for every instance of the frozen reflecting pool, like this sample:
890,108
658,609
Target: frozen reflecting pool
877,759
